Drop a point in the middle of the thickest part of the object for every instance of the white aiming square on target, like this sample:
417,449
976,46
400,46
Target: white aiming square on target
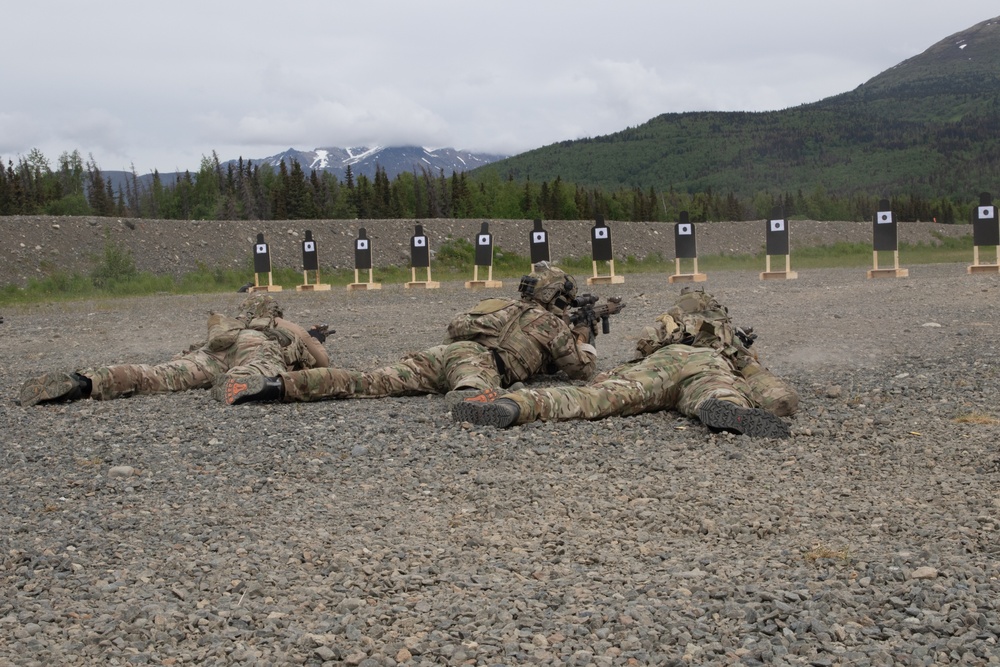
261,249
538,237
884,217
684,229
419,241
601,233
362,244
309,246
777,225
985,212
484,239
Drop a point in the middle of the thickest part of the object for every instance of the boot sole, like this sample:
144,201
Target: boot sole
236,390
483,414
456,396
753,422
48,387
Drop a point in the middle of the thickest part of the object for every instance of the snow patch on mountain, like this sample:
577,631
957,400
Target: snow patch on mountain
394,160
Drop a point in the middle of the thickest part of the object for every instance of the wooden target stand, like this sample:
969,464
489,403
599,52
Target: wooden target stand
306,286
609,279
977,268
269,287
693,277
425,284
357,285
894,272
787,274
476,283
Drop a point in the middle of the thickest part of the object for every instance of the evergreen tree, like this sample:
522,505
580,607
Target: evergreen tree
279,196
101,203
299,197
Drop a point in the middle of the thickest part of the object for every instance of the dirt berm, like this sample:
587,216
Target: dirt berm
36,245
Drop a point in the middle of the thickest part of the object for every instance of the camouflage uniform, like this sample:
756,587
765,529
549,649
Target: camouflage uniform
698,319
692,354
496,344
257,341
675,376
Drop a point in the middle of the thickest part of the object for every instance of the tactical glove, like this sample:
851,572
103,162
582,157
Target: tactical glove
320,332
746,336
585,333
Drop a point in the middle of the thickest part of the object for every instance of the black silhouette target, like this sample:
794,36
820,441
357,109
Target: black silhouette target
776,236
484,246
310,256
538,242
600,241
985,229
685,242
261,256
362,250
420,253
885,235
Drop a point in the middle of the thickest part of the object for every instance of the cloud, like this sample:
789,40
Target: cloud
19,132
376,116
242,78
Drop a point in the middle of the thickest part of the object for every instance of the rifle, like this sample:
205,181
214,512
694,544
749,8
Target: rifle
588,311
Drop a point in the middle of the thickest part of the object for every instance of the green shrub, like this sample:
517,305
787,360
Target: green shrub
116,267
69,205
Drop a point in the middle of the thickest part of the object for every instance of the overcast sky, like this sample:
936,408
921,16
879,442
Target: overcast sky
160,85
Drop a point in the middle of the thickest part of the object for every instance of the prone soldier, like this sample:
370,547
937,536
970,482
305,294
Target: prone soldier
498,343
257,340
691,360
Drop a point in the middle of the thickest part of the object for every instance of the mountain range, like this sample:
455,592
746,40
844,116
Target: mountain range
393,159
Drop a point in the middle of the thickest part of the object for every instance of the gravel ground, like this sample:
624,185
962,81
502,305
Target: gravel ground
173,530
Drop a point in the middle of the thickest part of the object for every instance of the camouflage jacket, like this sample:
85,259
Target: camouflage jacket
695,319
298,349
527,339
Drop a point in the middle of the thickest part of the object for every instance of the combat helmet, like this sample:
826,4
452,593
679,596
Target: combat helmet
259,305
548,286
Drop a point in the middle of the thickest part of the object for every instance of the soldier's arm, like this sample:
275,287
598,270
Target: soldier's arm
572,354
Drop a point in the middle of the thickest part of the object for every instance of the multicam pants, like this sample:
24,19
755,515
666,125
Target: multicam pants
676,376
251,353
769,391
464,364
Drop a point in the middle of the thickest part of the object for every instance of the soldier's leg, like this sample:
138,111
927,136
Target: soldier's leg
769,391
253,353
469,365
194,371
644,386
421,373
712,391
706,374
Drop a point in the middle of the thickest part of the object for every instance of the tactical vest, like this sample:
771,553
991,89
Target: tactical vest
496,324
298,349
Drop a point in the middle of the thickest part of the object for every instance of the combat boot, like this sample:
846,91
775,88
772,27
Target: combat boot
236,389
55,387
487,411
754,422
456,396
